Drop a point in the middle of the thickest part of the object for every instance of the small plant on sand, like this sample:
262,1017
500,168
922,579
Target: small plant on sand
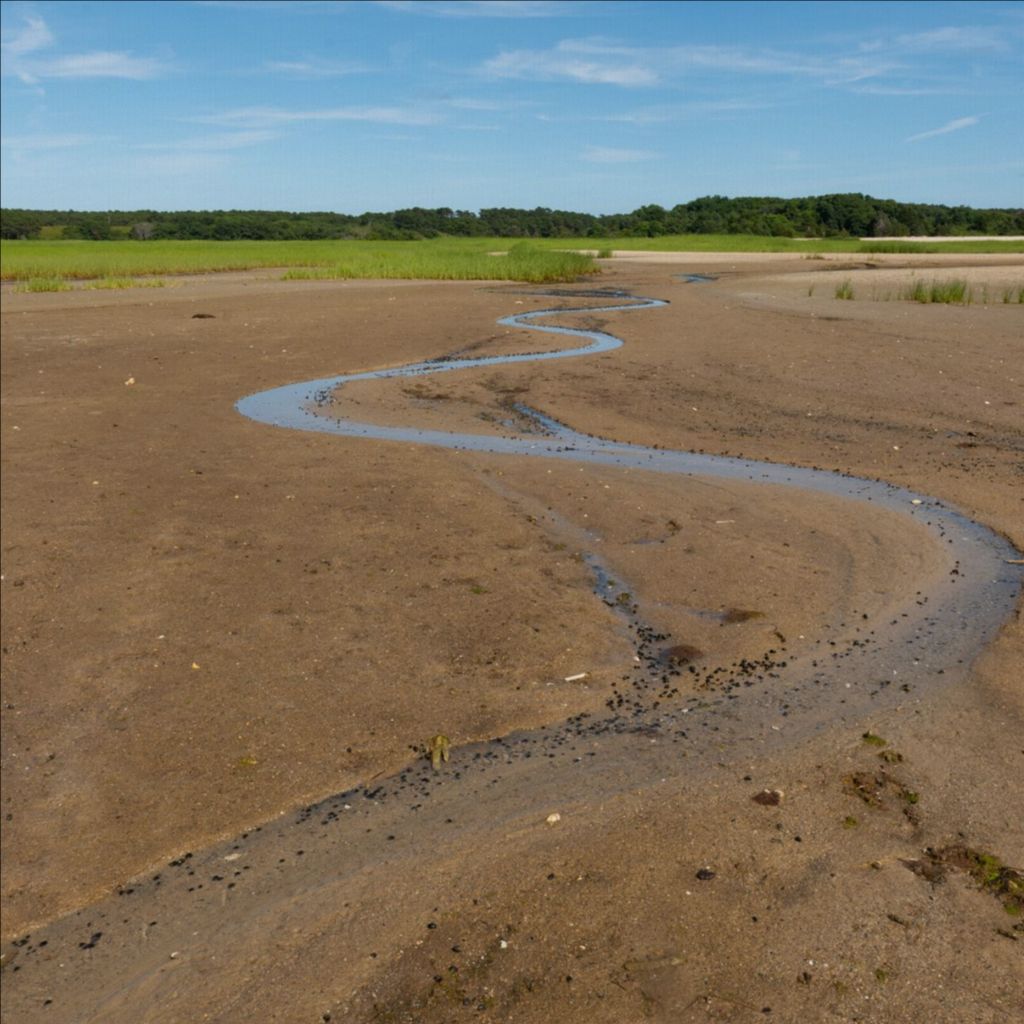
604,254
917,293
438,749
126,282
949,292
844,290
45,284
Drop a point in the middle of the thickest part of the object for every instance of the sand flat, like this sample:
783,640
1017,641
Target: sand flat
210,623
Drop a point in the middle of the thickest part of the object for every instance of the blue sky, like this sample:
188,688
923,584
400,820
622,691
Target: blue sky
594,106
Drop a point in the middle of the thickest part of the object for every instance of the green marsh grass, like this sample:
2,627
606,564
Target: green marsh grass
23,260
520,263
444,259
899,247
844,290
761,243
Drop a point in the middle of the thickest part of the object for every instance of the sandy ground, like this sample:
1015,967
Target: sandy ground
208,623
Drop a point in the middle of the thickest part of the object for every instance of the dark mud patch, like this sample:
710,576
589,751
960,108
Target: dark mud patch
987,871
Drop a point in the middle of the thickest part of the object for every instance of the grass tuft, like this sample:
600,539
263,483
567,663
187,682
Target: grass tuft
844,290
126,282
45,284
950,292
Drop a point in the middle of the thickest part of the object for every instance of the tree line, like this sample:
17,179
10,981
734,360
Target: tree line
844,215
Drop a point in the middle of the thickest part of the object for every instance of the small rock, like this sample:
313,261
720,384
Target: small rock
768,797
203,316
705,874
553,819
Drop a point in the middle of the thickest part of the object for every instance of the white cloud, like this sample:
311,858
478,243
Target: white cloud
180,164
607,155
34,35
315,68
951,126
257,117
20,144
956,38
469,103
270,5
479,8
573,59
22,59
599,61
665,113
101,64
898,90
214,143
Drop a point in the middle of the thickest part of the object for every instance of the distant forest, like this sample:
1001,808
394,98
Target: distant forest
847,215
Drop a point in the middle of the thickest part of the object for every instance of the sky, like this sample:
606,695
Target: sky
592,106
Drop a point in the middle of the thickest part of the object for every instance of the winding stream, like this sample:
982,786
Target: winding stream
210,901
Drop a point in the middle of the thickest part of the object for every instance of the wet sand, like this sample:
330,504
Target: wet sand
210,623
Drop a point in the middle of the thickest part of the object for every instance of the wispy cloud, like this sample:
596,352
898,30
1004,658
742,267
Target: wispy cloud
266,117
669,112
270,5
100,64
214,143
598,61
316,68
951,126
33,35
469,103
958,38
574,60
480,8
881,89
180,164
20,144
608,155
21,58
